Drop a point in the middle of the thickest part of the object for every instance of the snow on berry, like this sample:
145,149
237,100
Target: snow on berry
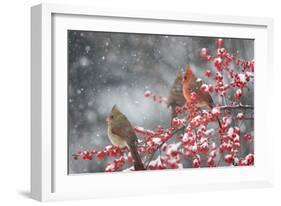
250,159
221,52
196,162
172,149
204,88
204,53
216,111
240,116
156,164
207,73
228,158
218,63
147,93
238,94
176,122
211,162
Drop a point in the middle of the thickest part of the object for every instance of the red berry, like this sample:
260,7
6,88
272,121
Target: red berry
219,43
204,53
250,159
196,163
207,73
228,158
211,162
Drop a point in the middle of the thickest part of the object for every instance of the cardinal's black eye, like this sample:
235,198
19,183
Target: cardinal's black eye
111,117
184,78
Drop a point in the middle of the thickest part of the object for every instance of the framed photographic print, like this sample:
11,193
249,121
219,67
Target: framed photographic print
170,98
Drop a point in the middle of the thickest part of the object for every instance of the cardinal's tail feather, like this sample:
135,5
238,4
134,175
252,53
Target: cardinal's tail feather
138,164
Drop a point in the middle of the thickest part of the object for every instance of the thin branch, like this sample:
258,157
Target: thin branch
240,106
172,134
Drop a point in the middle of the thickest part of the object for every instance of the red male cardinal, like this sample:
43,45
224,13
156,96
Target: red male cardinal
191,84
121,134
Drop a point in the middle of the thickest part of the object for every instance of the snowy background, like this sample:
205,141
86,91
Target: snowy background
117,68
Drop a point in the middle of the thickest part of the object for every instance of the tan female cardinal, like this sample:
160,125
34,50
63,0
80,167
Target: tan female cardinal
121,134
191,84
176,97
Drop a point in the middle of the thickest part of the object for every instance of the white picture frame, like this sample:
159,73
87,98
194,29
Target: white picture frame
49,178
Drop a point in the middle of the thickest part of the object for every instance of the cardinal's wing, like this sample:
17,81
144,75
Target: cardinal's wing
176,95
195,85
124,129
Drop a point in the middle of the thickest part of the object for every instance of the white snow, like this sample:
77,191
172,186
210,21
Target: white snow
210,131
227,156
193,148
197,118
230,131
180,166
242,77
157,161
87,48
240,115
238,91
250,74
218,60
108,147
84,61
185,136
129,169
227,120
215,110
173,147
109,167
156,140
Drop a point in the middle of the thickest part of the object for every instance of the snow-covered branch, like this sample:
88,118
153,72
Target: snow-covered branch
240,106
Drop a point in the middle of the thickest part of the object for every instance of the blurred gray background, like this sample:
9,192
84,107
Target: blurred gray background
117,68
